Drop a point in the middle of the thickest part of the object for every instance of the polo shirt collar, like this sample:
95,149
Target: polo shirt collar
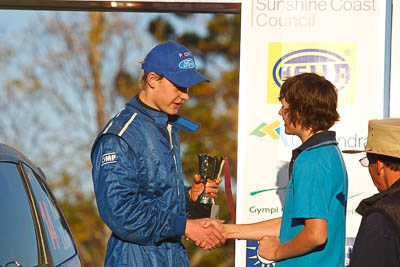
316,140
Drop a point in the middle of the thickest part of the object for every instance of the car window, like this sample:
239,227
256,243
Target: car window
17,231
58,237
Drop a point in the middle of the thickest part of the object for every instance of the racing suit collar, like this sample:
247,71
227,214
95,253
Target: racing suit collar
155,115
162,118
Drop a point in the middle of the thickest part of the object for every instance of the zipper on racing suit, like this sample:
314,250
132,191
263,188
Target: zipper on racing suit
169,128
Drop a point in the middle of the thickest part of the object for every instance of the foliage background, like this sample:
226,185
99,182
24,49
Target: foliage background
65,74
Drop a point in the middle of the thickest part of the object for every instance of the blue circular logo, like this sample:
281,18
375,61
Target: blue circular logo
329,64
187,64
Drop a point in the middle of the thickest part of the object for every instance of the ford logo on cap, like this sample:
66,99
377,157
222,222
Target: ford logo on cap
187,64
331,65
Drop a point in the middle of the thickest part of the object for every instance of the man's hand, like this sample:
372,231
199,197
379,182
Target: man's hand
198,187
268,247
217,224
208,238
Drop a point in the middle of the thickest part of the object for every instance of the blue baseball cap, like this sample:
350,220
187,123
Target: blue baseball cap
175,62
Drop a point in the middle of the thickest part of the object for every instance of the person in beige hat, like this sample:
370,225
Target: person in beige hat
378,238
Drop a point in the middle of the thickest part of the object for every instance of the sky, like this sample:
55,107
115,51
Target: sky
11,20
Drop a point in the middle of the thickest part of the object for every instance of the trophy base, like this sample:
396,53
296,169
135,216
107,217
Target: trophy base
198,210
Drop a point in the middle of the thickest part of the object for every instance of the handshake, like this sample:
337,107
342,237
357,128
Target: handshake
210,233
206,233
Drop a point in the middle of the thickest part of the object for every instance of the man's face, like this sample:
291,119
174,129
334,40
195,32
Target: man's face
378,179
168,97
284,112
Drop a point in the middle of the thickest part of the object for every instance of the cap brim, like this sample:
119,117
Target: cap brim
186,78
353,151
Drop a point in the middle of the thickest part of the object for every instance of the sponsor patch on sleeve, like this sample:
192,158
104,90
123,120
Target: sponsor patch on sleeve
108,158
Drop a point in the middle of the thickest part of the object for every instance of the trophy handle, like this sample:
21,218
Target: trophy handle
221,167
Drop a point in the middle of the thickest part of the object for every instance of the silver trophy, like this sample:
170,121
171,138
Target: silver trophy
210,168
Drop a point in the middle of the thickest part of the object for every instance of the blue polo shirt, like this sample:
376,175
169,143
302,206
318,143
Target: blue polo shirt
317,188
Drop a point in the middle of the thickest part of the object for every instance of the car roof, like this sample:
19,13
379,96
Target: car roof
10,154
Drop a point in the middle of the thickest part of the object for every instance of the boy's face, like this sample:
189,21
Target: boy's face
284,112
168,97
290,128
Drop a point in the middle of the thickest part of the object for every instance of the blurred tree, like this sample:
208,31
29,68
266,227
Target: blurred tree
67,75
70,74
70,67
82,217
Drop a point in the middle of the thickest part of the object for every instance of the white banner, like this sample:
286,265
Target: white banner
395,62
181,1
341,39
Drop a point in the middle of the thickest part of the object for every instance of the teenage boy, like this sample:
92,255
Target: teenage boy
311,231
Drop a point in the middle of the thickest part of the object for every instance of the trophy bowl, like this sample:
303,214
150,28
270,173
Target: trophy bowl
210,168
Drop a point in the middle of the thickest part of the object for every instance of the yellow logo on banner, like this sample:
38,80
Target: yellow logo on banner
335,61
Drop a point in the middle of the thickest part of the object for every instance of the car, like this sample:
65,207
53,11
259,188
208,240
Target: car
33,229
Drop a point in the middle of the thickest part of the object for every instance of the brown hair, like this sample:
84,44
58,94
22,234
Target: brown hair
312,101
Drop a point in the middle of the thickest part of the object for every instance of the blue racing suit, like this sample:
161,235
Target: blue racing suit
139,187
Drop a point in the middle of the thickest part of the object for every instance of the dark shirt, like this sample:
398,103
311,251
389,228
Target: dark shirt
376,244
145,105
378,238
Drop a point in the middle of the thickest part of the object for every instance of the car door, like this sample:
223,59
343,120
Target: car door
19,242
33,231
58,237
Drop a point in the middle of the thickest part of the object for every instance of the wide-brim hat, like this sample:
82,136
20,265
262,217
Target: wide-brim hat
383,138
175,62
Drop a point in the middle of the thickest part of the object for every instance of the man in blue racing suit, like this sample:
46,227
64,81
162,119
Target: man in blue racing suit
137,172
